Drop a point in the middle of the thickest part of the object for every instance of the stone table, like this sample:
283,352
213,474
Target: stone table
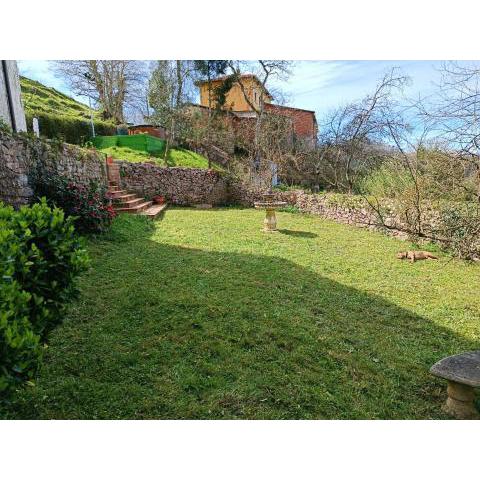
463,374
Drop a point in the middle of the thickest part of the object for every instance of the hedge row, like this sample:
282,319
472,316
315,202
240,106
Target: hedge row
40,257
69,129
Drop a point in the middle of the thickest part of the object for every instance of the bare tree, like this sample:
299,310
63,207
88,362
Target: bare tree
432,194
265,72
208,71
352,136
169,90
111,84
454,114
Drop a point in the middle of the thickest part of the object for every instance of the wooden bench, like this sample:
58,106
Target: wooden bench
463,374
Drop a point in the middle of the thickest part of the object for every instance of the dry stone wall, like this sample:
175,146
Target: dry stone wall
180,185
349,209
352,210
19,155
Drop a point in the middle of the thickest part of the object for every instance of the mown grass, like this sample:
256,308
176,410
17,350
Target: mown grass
176,157
201,315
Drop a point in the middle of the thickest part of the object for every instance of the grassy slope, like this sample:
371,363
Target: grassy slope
40,98
177,157
204,316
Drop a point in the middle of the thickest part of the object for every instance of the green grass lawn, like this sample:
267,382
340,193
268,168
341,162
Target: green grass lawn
143,148
201,315
177,157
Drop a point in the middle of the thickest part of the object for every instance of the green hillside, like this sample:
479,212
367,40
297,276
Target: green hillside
38,98
59,115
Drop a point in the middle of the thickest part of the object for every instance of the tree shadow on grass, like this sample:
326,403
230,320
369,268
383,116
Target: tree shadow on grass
168,332
298,233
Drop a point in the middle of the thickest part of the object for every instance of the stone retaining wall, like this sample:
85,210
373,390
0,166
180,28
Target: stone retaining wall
354,210
180,185
19,154
349,209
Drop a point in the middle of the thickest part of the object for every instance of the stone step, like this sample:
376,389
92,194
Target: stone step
125,198
118,193
132,202
136,209
154,211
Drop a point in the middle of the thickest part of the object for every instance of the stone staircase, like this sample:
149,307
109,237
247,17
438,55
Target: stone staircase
125,202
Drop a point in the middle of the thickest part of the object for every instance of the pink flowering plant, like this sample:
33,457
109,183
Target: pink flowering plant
90,204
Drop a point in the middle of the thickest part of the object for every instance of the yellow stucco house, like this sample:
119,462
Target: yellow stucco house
304,123
235,99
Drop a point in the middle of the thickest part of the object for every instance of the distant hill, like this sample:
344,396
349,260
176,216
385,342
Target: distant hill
60,116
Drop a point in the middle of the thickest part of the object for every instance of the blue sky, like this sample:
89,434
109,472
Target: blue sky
40,70
323,85
313,85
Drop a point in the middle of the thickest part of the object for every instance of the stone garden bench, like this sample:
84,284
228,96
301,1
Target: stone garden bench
463,374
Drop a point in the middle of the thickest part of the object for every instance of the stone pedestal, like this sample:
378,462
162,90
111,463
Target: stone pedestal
270,205
462,373
270,222
460,402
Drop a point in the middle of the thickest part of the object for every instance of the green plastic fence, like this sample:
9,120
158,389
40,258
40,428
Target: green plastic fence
104,141
140,142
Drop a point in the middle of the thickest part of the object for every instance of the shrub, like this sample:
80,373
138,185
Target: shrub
71,130
387,181
40,257
122,129
282,187
20,349
460,224
289,209
5,127
88,204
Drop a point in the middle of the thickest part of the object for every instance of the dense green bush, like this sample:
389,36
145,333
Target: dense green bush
40,257
69,129
20,349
